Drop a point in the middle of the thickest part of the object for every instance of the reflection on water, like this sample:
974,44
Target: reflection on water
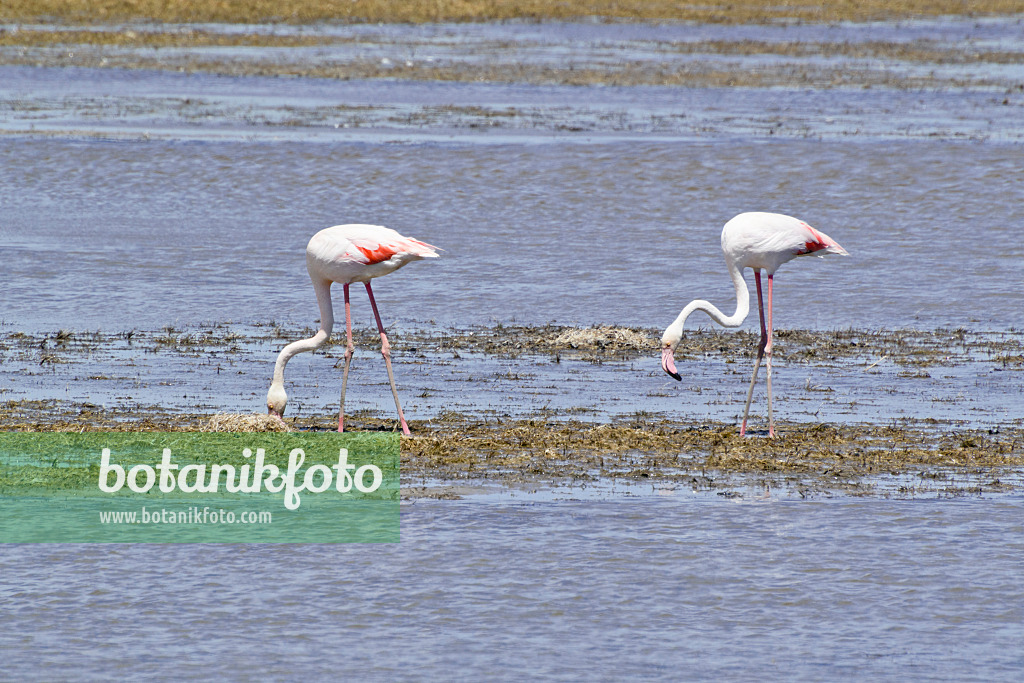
653,588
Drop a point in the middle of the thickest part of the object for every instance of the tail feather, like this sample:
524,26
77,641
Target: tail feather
421,249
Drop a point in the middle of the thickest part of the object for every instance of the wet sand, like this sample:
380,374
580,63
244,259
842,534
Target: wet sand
455,453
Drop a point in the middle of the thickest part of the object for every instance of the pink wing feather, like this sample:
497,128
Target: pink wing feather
376,252
818,241
371,249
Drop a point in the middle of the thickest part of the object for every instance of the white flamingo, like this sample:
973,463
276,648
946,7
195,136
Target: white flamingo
760,241
347,254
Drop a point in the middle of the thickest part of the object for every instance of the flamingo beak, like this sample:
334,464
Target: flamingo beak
668,363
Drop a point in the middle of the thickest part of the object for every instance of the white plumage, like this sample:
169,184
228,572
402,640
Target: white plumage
761,241
345,254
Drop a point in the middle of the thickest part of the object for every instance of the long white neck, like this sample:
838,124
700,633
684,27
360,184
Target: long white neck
323,298
674,332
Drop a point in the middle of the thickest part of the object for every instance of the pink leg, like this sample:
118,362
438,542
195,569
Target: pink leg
760,347
385,350
768,359
349,350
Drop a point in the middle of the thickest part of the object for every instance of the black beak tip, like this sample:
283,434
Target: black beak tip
676,376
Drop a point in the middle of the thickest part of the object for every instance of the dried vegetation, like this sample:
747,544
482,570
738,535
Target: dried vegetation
101,49
93,34
894,459
809,460
454,450
418,11
244,422
906,347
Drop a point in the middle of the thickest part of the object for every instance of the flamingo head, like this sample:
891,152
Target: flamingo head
669,342
277,399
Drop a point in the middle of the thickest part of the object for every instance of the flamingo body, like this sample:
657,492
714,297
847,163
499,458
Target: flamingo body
345,254
762,242
359,253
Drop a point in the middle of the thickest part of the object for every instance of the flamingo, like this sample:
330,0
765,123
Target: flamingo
347,254
759,241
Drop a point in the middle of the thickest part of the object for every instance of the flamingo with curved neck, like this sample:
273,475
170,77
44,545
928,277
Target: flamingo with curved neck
761,242
347,254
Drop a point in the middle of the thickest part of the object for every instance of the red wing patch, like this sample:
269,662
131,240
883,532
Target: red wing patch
382,253
816,244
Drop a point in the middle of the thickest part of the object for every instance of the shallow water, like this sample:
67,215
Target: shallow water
653,588
138,198
146,376
582,44
135,200
119,235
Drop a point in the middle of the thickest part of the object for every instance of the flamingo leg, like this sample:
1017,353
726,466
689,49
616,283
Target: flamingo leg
385,350
760,348
349,350
768,359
